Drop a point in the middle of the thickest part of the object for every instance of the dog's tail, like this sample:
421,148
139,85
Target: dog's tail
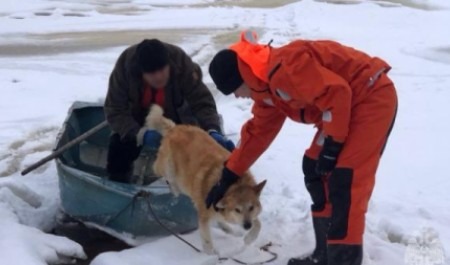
156,121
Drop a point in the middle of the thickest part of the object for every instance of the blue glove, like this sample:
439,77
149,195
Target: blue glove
152,139
222,140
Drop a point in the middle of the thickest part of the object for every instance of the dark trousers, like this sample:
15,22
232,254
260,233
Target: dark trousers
121,155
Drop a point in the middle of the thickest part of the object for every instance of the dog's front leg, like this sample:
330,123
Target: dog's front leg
170,176
205,233
174,189
228,229
253,233
225,227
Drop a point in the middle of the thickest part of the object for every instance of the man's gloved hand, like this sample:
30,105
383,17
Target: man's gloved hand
152,139
218,191
328,156
222,140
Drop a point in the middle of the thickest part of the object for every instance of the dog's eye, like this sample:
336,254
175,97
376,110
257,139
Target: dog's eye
250,209
237,210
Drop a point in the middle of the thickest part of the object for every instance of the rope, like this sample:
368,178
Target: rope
131,203
264,248
146,195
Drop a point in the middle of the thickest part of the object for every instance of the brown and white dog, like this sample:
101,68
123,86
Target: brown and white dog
191,162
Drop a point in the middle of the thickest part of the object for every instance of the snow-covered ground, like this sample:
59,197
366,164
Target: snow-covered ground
55,52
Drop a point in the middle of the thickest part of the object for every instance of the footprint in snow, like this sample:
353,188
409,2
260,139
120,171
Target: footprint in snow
37,141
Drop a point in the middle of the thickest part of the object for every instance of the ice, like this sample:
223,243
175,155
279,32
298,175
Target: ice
53,53
24,245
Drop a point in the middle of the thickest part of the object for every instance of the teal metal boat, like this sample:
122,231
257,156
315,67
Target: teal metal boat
88,196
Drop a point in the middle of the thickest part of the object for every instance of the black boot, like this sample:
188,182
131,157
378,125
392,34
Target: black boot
319,256
345,254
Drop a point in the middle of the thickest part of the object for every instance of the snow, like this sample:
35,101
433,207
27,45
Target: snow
152,254
21,211
53,53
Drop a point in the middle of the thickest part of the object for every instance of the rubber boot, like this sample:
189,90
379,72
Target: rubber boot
345,254
319,256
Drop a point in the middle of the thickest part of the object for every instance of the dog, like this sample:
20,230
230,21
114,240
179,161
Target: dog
191,162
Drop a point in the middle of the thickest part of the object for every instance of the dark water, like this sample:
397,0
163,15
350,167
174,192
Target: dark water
93,241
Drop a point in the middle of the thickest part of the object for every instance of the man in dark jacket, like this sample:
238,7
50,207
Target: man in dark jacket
154,72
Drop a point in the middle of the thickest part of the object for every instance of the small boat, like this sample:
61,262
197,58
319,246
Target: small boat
88,196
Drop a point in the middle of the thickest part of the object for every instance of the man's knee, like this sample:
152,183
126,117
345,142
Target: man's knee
314,185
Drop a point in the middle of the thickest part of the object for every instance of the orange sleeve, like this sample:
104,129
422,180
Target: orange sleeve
311,83
256,136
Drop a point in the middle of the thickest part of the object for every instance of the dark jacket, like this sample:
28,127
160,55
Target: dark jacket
187,99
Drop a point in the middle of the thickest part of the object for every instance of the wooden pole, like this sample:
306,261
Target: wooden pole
65,147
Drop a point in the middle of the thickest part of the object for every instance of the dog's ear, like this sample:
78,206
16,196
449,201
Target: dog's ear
258,188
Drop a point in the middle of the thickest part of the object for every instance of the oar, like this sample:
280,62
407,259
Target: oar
65,147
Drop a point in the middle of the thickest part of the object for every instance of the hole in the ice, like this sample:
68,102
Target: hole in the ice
445,50
15,80
43,14
74,15
93,241
438,54
341,2
127,11
424,5
387,3
15,17
395,237
240,3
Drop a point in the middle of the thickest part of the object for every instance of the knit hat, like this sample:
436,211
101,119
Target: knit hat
224,71
152,55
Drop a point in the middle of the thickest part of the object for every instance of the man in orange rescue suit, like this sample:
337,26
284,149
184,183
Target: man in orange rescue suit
347,95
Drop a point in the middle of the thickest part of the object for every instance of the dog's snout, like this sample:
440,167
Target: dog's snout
247,225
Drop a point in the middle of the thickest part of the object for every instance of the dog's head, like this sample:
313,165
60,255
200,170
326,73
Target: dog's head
241,205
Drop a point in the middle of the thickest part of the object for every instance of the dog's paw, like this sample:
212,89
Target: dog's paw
208,248
249,238
226,229
253,233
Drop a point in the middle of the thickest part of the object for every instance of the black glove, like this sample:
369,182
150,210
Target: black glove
328,156
218,191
